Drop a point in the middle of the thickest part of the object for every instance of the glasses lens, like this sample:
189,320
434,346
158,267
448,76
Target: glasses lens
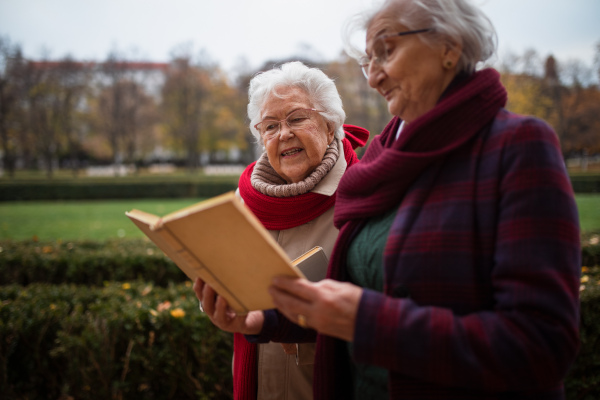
299,119
380,51
268,127
364,63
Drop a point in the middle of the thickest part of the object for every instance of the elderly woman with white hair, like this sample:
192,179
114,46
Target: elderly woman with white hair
296,113
458,252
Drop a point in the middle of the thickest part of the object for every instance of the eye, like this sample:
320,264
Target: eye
297,119
270,126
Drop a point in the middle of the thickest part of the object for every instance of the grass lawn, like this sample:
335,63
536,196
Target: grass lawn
70,220
101,220
589,212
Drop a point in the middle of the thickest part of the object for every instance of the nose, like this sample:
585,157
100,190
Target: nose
285,132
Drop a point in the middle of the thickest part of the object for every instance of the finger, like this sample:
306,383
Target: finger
198,286
208,299
290,305
221,312
301,288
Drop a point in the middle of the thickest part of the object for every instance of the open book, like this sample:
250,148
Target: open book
222,242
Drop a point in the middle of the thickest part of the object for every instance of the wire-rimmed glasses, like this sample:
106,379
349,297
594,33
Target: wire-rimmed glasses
379,50
301,118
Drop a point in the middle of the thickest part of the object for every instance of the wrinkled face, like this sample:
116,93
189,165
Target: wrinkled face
295,153
415,73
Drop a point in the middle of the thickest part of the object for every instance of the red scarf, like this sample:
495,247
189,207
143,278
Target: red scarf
378,183
277,213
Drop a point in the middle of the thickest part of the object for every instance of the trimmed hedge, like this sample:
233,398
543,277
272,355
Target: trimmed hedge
161,187
123,340
586,183
127,325
114,189
583,381
85,262
94,263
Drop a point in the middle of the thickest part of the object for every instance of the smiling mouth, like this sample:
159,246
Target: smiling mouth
387,93
291,152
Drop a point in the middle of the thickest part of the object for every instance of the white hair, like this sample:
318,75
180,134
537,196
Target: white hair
321,90
457,20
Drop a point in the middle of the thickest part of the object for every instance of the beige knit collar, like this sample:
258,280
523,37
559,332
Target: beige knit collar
268,182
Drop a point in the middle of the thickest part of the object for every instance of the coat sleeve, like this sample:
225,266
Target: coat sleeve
277,328
528,337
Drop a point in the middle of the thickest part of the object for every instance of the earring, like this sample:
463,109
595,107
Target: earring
448,64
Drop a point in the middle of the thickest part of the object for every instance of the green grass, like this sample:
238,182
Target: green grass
101,220
93,220
589,212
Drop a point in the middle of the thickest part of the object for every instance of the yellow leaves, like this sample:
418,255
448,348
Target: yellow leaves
126,286
166,306
177,313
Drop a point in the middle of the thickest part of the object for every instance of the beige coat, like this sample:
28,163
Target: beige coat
284,376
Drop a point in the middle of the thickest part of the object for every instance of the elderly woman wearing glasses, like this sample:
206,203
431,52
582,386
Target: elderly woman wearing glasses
459,249
296,113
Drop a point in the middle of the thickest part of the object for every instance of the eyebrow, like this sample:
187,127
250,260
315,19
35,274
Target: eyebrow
286,115
379,33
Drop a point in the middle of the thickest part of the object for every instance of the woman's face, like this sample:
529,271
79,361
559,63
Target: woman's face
294,154
415,73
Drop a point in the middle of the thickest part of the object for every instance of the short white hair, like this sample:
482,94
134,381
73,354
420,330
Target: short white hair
458,20
321,90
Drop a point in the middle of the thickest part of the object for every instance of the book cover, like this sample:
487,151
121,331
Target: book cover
222,242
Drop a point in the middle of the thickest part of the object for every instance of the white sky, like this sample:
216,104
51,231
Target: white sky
258,30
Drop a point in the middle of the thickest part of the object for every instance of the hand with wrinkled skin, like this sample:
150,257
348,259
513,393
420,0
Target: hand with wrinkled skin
329,306
222,316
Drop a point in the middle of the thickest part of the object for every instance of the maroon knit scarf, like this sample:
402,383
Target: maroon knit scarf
278,213
379,182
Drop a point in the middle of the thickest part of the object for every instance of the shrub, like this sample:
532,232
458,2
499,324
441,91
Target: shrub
89,189
583,381
85,262
123,340
585,183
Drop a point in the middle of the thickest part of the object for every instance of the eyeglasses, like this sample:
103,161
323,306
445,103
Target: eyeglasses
380,52
297,120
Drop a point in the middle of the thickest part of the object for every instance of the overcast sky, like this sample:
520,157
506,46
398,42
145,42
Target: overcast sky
256,30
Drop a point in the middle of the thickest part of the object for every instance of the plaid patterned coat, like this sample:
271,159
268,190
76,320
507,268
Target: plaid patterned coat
481,276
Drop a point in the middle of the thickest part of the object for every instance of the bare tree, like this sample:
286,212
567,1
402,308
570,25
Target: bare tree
125,111
72,78
11,67
184,95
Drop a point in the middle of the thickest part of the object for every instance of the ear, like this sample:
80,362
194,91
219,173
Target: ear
451,52
330,132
